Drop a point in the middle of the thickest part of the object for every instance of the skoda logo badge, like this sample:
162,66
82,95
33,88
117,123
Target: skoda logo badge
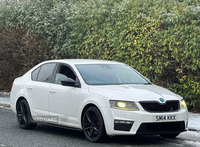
162,100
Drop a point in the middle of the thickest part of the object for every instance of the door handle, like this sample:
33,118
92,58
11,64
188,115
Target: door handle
52,90
30,87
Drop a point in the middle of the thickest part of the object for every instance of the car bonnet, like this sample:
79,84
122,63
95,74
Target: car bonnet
133,92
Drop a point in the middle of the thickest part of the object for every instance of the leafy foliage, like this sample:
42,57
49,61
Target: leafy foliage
19,52
159,38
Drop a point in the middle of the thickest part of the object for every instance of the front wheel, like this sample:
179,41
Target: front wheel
93,125
170,135
24,118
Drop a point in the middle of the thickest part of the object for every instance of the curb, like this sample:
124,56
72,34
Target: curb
4,94
5,105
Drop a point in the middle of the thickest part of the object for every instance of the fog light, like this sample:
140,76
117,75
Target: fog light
123,122
122,125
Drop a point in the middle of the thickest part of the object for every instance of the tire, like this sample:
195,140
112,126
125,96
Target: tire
170,135
93,125
24,118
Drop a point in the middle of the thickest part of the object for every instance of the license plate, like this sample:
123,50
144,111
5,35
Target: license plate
160,118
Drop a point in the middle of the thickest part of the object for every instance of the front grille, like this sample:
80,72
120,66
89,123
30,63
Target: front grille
169,106
162,127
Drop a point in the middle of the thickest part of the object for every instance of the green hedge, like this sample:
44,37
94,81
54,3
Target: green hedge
159,38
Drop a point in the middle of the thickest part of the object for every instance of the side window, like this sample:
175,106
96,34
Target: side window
46,72
63,73
34,74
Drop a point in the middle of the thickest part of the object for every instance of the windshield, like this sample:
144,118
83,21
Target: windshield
109,74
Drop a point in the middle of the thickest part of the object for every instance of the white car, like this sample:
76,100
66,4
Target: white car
99,97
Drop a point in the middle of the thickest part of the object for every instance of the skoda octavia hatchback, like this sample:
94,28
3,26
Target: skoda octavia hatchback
98,97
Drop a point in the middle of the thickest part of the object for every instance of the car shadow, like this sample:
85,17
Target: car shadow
144,140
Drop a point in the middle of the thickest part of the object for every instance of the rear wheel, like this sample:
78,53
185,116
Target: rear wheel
170,135
24,118
93,125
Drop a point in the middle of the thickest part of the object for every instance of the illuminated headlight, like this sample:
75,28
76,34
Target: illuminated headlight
183,104
123,105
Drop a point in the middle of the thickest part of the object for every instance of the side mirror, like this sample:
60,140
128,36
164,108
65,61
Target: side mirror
69,82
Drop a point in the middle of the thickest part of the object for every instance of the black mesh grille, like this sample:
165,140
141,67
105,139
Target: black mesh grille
163,127
122,127
169,106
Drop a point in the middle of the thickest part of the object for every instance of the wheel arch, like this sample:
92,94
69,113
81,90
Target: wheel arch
88,106
28,122
18,100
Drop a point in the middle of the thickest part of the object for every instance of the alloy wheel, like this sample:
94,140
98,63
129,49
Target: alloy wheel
93,125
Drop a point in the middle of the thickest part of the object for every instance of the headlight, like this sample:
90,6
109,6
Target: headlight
183,104
123,105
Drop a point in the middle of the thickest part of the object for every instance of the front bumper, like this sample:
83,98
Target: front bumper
142,122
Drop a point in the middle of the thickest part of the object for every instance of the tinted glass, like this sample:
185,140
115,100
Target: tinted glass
113,74
34,74
46,72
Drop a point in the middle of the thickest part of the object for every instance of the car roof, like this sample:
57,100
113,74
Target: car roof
85,61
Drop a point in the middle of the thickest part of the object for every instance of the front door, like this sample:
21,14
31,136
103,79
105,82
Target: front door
64,100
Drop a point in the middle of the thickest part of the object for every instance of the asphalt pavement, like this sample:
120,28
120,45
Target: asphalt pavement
47,136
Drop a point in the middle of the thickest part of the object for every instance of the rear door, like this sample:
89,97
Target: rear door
38,89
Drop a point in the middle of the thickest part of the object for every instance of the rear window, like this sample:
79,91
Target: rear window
34,74
44,73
